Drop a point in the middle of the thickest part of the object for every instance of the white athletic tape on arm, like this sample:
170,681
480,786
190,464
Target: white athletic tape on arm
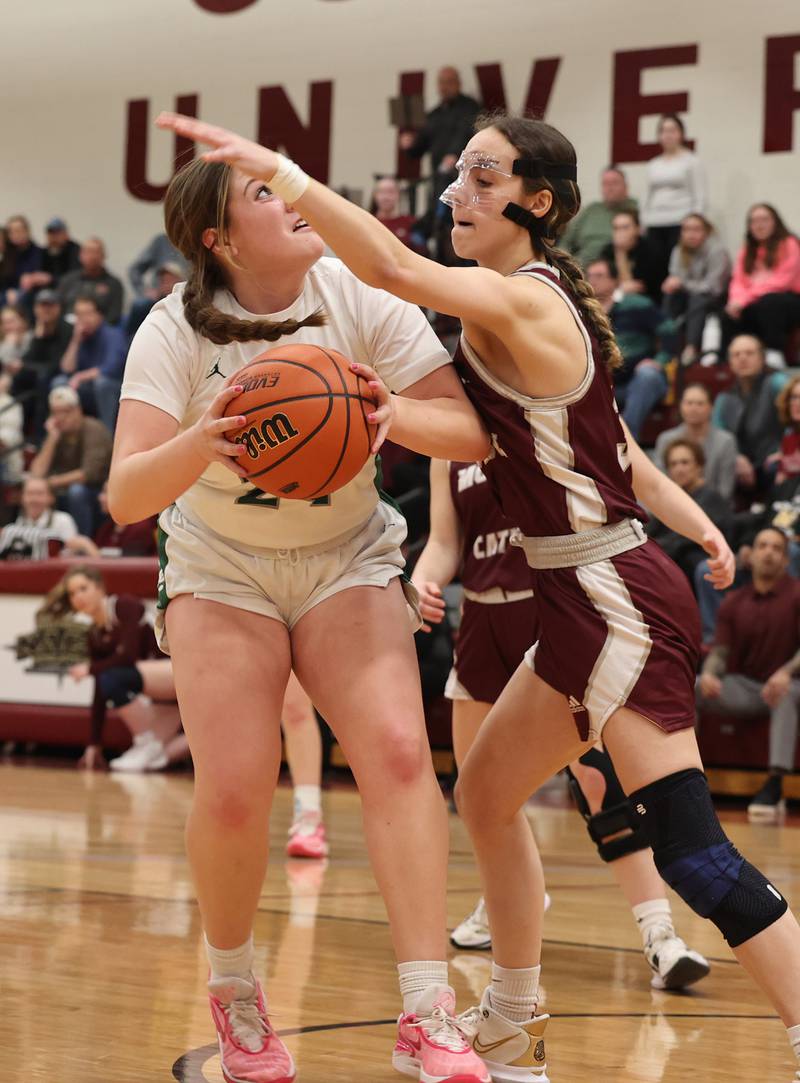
289,181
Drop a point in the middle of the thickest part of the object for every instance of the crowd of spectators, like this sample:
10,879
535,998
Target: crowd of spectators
690,318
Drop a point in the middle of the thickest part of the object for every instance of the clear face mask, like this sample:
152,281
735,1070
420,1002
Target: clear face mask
479,184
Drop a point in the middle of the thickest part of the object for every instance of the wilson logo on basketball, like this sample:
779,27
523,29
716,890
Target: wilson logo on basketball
271,433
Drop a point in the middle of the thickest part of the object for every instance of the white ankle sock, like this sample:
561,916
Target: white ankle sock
415,977
307,799
794,1038
230,962
513,993
655,913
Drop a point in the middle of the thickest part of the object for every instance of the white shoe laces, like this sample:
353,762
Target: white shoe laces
248,1026
469,1021
443,1029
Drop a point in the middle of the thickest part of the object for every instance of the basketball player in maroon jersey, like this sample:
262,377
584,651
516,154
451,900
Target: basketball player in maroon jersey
620,633
470,536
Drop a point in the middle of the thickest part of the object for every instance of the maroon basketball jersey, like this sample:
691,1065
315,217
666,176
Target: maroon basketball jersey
560,465
488,558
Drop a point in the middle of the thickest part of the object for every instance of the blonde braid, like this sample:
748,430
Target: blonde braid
589,307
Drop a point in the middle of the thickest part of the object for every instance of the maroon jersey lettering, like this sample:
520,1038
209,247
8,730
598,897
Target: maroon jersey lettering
488,558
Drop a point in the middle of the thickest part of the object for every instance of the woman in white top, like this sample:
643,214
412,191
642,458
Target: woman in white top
256,587
676,186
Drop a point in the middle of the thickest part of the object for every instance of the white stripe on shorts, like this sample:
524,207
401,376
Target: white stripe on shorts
626,649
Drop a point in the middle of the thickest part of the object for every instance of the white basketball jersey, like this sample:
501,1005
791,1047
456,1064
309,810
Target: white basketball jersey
174,368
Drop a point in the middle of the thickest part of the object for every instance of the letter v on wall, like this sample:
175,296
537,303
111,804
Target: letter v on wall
540,87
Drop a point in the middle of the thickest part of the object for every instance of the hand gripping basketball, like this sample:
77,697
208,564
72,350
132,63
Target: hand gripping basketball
209,432
383,414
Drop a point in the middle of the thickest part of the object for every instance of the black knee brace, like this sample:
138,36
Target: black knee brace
696,859
615,813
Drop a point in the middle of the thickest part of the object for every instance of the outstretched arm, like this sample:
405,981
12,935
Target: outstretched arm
439,560
371,252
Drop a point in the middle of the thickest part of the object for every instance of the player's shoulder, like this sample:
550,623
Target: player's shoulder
166,321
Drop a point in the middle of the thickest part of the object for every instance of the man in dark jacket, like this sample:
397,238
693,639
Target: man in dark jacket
748,410
447,128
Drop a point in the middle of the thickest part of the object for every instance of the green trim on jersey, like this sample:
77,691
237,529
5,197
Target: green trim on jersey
163,598
384,496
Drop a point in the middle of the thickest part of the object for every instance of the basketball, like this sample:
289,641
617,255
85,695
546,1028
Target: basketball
307,432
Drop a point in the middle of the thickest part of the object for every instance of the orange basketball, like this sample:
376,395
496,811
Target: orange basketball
307,432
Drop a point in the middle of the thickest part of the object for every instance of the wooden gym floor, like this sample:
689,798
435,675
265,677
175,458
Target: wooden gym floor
102,971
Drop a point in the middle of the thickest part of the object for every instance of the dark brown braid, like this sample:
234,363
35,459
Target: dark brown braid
536,139
196,200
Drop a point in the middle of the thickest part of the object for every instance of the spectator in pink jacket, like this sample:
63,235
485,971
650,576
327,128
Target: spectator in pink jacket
764,294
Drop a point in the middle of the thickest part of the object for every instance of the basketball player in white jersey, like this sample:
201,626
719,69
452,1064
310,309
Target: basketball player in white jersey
252,586
620,636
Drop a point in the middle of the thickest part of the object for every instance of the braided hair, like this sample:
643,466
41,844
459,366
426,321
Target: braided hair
536,139
196,200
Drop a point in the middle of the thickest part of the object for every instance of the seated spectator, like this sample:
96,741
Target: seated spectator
642,334
676,186
74,457
588,234
94,362
719,447
168,275
764,294
128,672
93,280
749,411
15,338
143,272
697,284
637,262
110,540
685,461
385,205
788,404
41,361
27,256
8,265
11,435
62,255
755,660
39,531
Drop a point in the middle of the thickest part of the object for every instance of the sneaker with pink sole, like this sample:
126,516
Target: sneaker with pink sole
431,1048
249,1049
307,837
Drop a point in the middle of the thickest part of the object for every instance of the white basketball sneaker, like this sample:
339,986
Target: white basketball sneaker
513,1052
473,933
146,753
674,965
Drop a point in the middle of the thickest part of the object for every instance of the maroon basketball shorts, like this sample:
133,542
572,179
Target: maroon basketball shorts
492,641
623,632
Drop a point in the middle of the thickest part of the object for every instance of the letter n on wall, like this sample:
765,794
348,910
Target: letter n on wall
782,96
280,127
630,104
136,147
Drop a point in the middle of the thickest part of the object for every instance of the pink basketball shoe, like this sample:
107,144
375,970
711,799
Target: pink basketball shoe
431,1048
307,837
249,1049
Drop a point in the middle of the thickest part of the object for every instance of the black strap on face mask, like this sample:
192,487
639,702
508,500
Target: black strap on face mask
533,168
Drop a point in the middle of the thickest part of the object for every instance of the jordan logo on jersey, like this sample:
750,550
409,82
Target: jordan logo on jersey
575,705
216,370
